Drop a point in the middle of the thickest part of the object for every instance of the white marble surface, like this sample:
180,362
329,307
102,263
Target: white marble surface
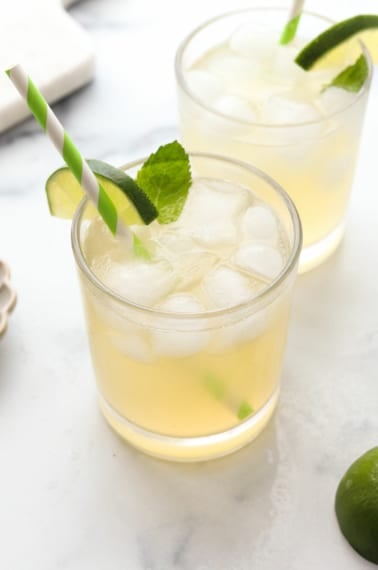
72,495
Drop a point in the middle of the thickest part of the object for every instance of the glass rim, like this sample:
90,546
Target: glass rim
189,37
286,271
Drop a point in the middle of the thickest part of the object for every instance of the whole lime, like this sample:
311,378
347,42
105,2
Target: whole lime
356,505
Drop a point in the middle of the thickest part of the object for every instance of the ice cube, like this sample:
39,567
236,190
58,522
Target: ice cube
100,244
173,245
146,233
250,325
188,259
246,329
144,283
259,223
249,41
236,73
299,124
204,85
259,259
192,268
316,81
134,344
334,99
235,107
225,287
281,110
177,342
284,67
181,303
211,213
216,234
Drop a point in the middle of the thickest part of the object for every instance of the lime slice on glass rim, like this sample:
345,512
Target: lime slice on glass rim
356,505
64,194
333,37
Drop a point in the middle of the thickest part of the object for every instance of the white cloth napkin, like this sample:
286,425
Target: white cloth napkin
52,47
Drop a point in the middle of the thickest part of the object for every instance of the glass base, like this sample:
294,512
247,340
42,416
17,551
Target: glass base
190,448
315,254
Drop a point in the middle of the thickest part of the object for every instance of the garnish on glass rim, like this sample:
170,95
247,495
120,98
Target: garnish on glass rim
353,77
64,194
165,175
69,151
160,189
333,37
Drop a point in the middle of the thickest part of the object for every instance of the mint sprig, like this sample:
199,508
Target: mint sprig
245,410
217,388
352,77
166,178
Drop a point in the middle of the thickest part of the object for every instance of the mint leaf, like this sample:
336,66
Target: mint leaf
165,177
244,410
352,77
215,386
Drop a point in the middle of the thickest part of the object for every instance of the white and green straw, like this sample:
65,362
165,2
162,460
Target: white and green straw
291,26
68,150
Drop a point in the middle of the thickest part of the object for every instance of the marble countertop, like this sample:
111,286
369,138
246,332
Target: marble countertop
72,495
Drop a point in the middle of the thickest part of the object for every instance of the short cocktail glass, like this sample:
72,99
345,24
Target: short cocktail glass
234,100
175,381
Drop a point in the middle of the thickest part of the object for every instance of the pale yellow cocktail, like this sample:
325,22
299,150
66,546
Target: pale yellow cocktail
241,94
188,345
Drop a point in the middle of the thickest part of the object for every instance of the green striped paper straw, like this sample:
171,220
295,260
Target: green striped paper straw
291,26
68,150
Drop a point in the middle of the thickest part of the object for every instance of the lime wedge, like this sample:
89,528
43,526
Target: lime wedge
357,505
64,194
370,39
333,37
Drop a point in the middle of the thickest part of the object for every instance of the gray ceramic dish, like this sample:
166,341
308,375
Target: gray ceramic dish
7,297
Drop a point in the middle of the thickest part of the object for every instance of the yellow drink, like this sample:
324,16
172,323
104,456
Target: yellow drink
188,397
188,346
240,94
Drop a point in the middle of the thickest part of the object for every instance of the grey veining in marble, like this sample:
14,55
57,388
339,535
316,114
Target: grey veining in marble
72,495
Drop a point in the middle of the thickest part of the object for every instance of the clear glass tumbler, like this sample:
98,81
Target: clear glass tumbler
210,400
313,160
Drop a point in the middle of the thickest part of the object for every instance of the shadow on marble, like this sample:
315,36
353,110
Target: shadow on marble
202,516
